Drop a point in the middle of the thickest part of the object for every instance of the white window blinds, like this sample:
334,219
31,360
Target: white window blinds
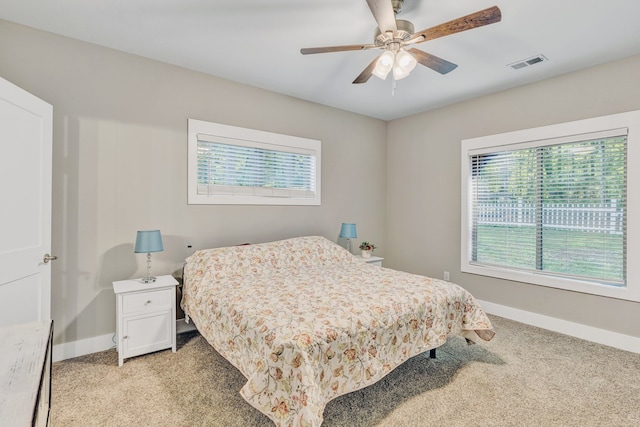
555,207
231,165
239,169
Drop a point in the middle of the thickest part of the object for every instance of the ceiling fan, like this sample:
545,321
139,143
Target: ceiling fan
392,35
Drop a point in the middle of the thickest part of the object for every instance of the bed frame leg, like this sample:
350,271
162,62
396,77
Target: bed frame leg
432,353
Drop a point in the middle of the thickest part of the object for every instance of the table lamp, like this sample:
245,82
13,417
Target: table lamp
348,231
148,241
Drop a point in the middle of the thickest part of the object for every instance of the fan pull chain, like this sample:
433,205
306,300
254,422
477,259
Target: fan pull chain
393,87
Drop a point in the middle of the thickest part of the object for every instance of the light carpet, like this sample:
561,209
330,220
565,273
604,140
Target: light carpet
525,376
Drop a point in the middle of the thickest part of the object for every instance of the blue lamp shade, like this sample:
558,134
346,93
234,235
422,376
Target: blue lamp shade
348,231
148,241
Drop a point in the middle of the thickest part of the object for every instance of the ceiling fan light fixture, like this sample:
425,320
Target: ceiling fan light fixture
404,64
384,65
392,34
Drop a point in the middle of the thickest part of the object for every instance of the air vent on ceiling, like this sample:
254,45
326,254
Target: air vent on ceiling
528,62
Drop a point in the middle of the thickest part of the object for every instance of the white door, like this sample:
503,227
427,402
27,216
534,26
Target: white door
25,205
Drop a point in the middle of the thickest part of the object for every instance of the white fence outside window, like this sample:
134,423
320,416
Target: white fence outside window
592,217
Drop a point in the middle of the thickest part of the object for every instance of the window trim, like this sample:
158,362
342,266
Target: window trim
629,120
251,138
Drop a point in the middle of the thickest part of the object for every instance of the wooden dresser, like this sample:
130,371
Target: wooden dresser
25,374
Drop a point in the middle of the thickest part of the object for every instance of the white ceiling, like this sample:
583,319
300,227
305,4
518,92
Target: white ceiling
257,42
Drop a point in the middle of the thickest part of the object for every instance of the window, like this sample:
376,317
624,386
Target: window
231,165
557,208
550,206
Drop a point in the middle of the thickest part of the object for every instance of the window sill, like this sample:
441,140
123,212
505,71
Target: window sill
542,279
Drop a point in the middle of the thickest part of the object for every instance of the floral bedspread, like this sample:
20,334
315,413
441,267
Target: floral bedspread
305,321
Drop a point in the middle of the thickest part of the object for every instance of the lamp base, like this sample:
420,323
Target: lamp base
149,278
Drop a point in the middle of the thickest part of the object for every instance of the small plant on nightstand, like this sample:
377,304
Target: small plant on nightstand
367,249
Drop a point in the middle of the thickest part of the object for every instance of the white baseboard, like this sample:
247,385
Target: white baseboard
589,333
105,342
72,349
182,326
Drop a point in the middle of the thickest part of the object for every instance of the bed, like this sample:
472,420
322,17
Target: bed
305,321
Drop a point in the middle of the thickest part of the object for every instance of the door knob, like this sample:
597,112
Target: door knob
48,258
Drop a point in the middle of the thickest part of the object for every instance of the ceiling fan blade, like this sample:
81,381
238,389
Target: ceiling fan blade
431,61
468,22
367,72
382,11
310,50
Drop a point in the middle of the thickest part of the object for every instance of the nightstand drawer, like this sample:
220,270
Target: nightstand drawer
147,301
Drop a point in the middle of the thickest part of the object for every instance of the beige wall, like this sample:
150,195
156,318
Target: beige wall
120,165
423,151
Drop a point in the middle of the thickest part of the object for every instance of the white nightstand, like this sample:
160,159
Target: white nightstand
374,260
145,316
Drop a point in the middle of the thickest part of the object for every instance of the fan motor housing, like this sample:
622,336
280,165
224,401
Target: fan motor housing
405,30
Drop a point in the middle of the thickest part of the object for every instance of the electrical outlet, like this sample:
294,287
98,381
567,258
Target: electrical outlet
446,276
